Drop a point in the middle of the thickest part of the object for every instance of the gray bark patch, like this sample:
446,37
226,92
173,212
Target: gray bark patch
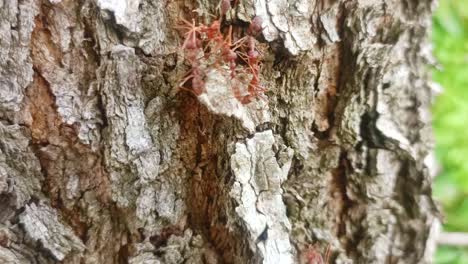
257,190
42,225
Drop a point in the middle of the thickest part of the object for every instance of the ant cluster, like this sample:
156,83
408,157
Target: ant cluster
214,46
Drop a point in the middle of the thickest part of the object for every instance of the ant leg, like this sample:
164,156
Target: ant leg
237,44
327,254
186,79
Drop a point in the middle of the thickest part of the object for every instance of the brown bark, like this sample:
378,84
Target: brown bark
104,160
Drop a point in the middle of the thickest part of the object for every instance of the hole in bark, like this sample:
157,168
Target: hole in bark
369,133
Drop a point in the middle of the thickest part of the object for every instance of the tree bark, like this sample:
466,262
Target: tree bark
104,160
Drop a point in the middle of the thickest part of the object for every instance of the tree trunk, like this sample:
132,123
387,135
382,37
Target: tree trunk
104,160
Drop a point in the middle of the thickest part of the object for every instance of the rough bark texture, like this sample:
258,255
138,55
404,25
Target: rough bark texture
104,160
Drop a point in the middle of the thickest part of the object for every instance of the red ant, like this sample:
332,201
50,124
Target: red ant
197,81
312,256
191,40
255,26
252,60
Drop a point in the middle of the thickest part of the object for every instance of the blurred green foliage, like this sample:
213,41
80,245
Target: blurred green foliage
450,39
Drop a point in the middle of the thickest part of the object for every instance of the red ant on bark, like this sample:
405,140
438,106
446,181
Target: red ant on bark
206,47
312,256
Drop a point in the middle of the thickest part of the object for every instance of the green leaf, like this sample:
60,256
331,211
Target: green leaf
450,39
